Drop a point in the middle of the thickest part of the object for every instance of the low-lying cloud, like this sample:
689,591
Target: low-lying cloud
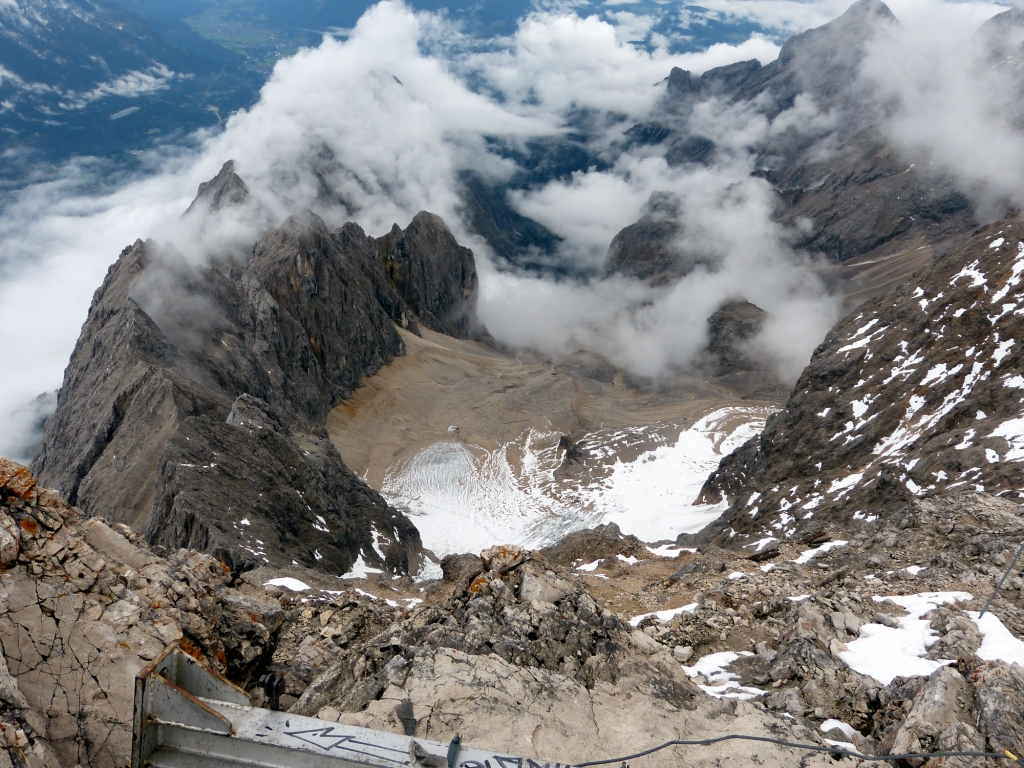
131,85
955,95
378,126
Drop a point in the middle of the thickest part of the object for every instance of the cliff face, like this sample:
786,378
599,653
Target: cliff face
194,402
434,275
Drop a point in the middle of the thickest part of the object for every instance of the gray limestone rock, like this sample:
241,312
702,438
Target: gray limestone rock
82,610
223,190
434,275
194,404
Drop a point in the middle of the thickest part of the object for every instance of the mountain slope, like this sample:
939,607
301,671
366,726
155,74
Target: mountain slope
194,403
845,191
917,393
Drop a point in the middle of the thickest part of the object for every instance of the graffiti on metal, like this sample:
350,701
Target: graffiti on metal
502,761
329,739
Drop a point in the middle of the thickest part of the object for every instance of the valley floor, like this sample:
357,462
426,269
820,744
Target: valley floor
477,446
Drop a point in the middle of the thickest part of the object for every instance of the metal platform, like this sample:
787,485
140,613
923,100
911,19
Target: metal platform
189,716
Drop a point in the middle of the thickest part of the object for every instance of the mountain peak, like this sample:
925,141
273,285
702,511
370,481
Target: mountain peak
869,10
223,190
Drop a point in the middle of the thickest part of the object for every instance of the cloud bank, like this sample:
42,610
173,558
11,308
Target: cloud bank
378,126
955,92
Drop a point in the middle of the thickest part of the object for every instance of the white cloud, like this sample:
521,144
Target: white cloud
792,16
955,109
129,86
563,59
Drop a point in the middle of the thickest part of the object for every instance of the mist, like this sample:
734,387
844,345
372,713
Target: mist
956,93
378,125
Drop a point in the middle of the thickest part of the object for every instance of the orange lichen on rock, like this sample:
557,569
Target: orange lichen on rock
16,479
500,557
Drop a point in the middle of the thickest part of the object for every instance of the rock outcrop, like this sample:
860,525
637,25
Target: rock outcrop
515,651
83,607
194,403
645,250
916,394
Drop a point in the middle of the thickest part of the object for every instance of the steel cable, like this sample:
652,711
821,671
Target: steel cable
837,751
1000,584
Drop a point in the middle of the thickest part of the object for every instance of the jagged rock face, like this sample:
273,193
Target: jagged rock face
918,393
821,62
505,667
727,356
223,190
194,403
434,275
862,198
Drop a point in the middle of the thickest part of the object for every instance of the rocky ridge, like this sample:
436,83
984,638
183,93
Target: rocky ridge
513,649
916,394
194,404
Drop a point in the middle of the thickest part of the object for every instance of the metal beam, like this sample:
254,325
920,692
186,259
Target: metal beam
189,716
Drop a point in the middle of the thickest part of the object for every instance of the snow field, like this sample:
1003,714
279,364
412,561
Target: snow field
465,499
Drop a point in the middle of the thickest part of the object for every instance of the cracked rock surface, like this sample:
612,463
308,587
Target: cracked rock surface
517,650
83,608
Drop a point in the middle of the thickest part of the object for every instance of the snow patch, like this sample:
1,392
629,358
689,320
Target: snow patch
810,554
843,485
971,271
886,652
724,685
288,583
360,570
830,725
998,643
665,615
1013,432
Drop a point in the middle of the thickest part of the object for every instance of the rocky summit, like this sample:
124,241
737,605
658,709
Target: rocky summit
194,404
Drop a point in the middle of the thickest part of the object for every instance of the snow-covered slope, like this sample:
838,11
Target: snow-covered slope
465,497
917,393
